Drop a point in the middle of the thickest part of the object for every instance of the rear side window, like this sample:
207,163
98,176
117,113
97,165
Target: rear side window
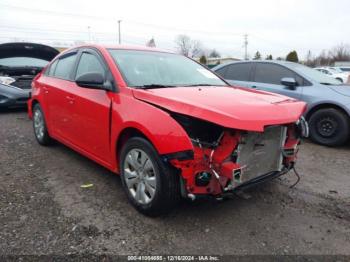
240,72
271,73
89,63
50,71
65,66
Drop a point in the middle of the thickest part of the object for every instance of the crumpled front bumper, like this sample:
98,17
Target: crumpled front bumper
219,166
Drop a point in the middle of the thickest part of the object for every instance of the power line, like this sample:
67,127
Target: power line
74,15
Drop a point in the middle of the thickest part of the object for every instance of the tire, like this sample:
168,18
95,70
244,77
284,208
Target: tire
143,171
329,127
39,126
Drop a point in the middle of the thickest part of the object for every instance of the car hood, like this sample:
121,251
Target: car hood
341,89
231,107
27,50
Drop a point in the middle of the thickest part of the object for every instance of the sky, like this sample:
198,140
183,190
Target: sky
273,26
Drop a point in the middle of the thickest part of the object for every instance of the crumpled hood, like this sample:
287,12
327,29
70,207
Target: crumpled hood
28,50
230,107
341,89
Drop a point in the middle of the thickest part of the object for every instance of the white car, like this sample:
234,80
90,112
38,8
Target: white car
342,68
334,73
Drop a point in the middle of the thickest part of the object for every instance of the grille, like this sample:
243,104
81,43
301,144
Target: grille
261,153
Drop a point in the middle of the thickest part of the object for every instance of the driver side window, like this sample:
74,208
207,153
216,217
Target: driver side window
89,63
272,74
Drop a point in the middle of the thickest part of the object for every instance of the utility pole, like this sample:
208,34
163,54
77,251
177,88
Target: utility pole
246,47
89,32
119,37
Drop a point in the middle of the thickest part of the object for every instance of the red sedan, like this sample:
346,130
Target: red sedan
170,127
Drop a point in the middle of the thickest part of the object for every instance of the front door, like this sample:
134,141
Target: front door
91,109
267,77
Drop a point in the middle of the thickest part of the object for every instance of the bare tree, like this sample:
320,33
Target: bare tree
196,48
151,43
340,53
184,44
214,53
188,47
329,57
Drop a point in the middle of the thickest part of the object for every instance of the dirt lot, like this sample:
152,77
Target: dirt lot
43,209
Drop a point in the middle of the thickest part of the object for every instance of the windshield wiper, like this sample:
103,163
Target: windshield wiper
153,86
198,85
327,84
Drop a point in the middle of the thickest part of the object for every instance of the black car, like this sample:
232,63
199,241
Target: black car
19,64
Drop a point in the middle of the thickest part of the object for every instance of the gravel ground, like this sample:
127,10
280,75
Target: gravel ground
43,209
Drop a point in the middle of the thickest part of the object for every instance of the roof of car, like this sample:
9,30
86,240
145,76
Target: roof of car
124,47
280,62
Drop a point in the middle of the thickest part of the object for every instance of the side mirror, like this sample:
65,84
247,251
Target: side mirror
289,82
91,80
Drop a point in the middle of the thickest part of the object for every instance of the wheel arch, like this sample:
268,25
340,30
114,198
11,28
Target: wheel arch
325,106
126,134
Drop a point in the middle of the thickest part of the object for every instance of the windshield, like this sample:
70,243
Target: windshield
314,75
335,70
23,61
157,69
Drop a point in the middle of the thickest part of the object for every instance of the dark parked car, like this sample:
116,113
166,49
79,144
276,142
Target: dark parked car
19,64
328,100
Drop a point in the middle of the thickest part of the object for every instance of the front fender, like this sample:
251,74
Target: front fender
166,135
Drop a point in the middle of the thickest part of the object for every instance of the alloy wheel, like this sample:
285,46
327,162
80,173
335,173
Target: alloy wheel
39,125
140,177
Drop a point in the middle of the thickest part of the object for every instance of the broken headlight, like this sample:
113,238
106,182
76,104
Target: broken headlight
302,127
201,132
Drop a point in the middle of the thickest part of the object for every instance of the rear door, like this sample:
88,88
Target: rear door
267,76
57,88
91,108
238,74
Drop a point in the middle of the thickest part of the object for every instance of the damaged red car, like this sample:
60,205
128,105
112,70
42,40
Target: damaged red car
170,127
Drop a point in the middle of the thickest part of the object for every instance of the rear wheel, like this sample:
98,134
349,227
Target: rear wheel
151,185
39,125
329,127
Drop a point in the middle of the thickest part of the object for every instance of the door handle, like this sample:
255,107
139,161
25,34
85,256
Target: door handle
70,99
254,87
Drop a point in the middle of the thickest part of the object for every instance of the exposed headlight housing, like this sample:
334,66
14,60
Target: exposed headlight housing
302,127
6,80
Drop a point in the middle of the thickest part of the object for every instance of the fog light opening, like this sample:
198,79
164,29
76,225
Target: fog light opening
203,178
237,174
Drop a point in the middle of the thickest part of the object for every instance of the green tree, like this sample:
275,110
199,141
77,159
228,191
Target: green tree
257,56
269,57
203,60
293,57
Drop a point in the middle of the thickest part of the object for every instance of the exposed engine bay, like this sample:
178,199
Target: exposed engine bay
21,62
20,77
226,159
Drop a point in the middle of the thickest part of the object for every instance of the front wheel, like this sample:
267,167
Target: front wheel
151,185
329,127
39,125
